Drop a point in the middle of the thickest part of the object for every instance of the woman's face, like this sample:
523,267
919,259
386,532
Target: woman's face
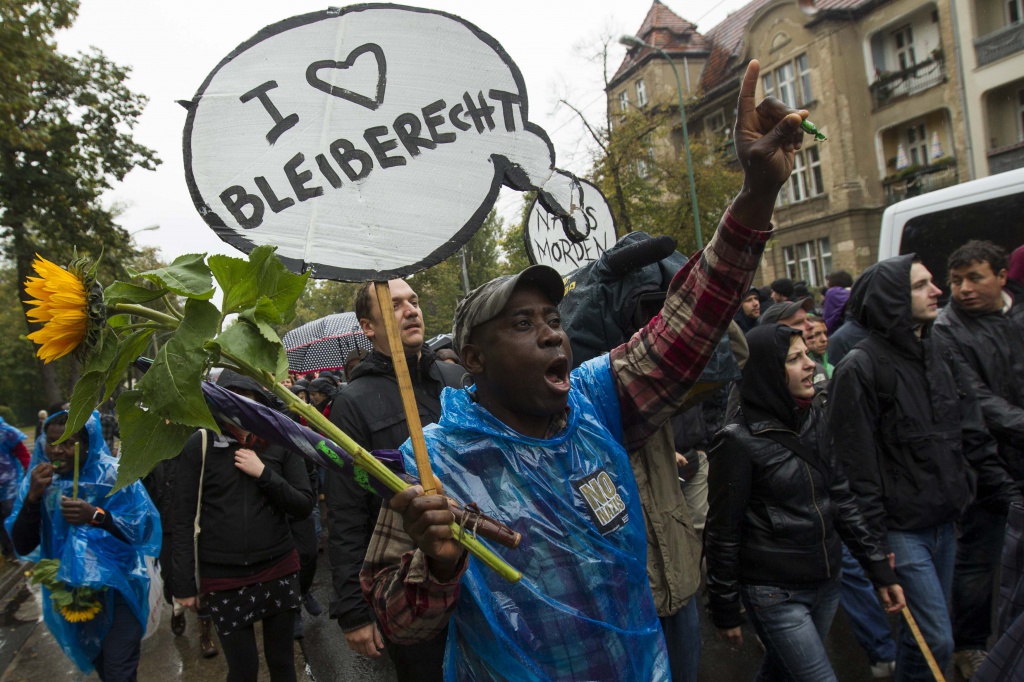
799,370
287,382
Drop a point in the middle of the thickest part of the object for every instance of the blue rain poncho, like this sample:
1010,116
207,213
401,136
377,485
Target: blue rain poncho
583,609
11,470
90,556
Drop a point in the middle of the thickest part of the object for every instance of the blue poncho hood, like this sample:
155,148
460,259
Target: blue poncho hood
11,471
91,556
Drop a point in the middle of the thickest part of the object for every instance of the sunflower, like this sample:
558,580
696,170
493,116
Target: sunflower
82,613
69,305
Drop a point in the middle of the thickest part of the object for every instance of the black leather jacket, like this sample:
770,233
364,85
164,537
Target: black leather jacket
778,517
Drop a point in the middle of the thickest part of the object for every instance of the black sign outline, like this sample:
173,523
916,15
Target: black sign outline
506,172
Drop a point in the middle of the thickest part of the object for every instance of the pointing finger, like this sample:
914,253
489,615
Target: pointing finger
748,88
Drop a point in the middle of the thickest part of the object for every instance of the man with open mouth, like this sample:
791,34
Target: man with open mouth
544,450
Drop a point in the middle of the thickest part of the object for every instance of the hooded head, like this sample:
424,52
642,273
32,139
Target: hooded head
890,305
243,385
764,388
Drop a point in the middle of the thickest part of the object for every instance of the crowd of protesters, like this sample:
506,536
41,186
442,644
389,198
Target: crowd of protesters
865,452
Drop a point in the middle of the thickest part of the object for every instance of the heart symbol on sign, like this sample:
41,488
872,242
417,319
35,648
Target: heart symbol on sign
313,78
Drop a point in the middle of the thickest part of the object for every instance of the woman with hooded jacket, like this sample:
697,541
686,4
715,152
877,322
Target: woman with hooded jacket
247,563
780,509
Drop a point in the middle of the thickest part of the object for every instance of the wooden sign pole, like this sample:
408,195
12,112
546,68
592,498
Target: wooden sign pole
412,412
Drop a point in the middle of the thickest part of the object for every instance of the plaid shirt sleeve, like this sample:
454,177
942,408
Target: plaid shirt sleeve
657,367
411,605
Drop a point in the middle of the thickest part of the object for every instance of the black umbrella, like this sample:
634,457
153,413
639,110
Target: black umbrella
324,343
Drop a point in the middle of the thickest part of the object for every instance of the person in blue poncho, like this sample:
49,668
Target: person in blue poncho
544,450
14,457
100,541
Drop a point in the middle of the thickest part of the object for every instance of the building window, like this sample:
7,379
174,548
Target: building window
714,124
623,101
803,72
904,40
917,143
641,93
806,180
646,160
1013,11
809,261
815,179
825,255
790,82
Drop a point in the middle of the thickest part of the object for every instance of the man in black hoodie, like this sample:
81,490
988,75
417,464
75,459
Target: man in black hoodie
913,442
984,327
369,410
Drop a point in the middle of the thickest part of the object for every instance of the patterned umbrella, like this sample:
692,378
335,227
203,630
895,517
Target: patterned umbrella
324,343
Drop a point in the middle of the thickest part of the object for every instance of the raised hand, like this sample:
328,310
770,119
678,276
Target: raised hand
767,136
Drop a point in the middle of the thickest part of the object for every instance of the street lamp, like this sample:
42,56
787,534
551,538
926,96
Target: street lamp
633,41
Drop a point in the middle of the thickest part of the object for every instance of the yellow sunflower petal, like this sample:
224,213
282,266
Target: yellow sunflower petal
60,303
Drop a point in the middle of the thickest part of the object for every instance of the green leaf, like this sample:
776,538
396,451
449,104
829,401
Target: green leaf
245,282
172,385
87,391
122,292
146,439
244,340
253,315
187,276
131,347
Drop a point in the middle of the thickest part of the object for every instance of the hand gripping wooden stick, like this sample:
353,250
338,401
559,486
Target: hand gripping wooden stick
412,412
923,645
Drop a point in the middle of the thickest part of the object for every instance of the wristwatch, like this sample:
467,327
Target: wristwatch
98,517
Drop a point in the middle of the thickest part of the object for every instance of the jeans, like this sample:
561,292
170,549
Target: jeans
792,624
924,566
682,638
868,621
978,548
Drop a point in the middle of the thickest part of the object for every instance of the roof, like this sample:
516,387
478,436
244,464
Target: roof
665,29
723,44
726,38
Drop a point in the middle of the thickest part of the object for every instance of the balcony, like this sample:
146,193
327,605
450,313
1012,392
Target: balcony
999,44
893,87
915,180
1006,158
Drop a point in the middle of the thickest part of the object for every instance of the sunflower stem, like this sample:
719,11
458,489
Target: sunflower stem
367,461
142,311
170,306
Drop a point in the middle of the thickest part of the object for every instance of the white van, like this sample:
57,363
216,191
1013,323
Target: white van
934,225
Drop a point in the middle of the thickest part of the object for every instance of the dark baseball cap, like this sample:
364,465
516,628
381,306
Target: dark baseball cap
784,310
488,300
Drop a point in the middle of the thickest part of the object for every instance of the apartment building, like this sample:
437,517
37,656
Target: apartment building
990,41
877,79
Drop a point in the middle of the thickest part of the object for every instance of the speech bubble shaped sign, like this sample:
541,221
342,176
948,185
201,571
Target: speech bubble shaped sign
367,142
547,243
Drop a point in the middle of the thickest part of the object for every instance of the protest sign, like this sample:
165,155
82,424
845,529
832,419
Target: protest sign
547,243
366,142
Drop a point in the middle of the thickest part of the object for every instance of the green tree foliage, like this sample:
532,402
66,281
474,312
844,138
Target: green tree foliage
65,136
440,287
19,374
646,181
320,299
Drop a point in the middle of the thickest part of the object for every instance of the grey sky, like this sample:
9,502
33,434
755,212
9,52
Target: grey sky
173,46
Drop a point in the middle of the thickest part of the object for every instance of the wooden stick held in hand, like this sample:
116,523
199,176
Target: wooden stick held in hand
412,411
923,645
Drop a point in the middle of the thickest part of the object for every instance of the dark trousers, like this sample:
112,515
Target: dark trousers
421,662
243,658
118,660
979,545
